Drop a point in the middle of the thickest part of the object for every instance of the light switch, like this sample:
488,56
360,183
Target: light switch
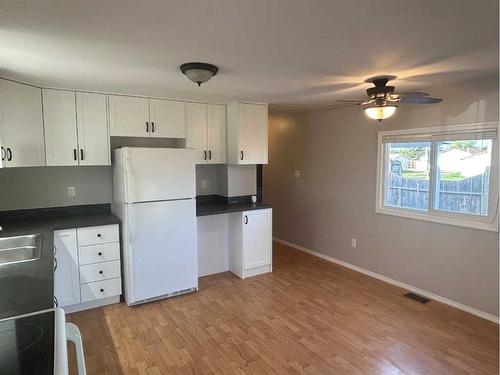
204,183
296,174
71,191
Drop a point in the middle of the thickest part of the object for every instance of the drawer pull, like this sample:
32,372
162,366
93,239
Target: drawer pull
102,290
99,235
99,253
100,272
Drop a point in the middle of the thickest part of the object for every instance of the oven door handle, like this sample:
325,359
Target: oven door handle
73,334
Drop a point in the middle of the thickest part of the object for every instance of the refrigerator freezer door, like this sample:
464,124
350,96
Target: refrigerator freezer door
163,249
156,174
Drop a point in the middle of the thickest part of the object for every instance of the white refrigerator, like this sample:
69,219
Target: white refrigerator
154,191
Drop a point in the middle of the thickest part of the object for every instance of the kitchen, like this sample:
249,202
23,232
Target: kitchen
249,187
161,231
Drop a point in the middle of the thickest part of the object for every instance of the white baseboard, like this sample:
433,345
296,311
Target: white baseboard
386,279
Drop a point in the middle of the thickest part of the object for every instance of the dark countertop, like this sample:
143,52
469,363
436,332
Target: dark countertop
29,286
215,205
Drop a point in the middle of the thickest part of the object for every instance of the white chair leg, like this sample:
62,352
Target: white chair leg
73,335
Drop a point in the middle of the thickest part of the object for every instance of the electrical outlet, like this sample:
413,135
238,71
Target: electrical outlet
204,183
296,174
71,191
353,243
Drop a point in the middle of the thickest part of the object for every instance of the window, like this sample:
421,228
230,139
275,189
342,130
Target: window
447,175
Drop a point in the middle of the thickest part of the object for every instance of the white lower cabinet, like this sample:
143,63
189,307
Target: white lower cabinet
250,242
101,289
87,269
66,272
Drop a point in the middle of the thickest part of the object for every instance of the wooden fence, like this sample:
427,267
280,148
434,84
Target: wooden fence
469,195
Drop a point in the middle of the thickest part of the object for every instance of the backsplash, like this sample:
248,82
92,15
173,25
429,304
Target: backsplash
226,180
41,187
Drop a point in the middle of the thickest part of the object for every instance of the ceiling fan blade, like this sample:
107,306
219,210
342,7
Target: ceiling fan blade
412,93
420,100
340,106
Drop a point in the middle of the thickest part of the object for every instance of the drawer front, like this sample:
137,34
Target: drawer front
101,289
100,271
98,253
97,235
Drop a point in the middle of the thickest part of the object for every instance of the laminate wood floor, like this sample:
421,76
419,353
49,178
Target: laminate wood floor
308,317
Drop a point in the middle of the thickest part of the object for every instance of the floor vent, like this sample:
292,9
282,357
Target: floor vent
417,298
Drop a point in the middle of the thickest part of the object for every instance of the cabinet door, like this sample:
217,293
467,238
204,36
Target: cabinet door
252,134
216,133
196,131
93,139
66,274
128,116
256,238
168,118
21,125
59,118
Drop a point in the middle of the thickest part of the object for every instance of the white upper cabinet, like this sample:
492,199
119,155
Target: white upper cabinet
76,131
206,132
247,133
196,131
21,125
168,118
59,117
128,116
93,138
216,133
143,117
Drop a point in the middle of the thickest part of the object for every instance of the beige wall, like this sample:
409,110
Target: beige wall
48,186
334,200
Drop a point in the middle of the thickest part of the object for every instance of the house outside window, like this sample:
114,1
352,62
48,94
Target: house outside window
442,174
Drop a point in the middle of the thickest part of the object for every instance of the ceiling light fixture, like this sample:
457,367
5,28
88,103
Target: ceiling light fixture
380,112
199,72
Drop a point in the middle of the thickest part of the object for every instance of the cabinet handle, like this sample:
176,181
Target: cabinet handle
4,154
205,153
241,153
81,154
74,153
100,272
152,127
147,127
99,235
102,290
9,154
209,155
246,219
99,253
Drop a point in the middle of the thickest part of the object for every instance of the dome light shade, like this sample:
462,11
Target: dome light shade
199,72
380,112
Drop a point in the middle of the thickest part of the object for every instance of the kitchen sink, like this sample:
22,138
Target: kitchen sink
20,248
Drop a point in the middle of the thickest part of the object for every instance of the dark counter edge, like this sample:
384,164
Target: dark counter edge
29,286
215,205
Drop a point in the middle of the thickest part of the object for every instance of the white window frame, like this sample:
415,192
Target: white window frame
488,223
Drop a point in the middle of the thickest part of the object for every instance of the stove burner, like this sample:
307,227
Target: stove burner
19,337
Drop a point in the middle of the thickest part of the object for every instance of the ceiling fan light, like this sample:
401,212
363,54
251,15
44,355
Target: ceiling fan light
380,112
199,72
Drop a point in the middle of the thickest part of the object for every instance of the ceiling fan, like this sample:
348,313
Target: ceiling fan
382,101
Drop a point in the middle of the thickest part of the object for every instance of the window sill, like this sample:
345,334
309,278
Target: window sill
473,224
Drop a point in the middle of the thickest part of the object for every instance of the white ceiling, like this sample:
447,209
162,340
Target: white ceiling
293,54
